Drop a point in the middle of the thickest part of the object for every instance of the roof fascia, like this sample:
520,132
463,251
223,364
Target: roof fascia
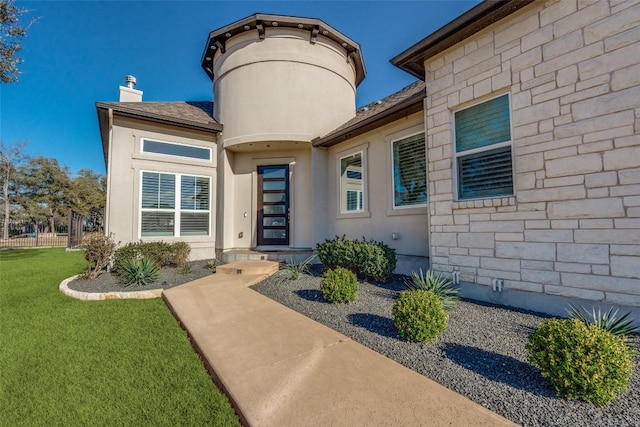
466,25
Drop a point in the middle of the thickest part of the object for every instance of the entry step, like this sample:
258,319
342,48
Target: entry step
249,267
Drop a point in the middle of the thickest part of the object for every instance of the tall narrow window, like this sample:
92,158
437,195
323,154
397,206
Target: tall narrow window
174,205
351,184
409,172
194,205
158,204
483,150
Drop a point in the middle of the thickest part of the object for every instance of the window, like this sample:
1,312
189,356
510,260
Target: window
483,150
162,193
409,172
351,184
176,150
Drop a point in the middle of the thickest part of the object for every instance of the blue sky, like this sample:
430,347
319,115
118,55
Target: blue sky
78,52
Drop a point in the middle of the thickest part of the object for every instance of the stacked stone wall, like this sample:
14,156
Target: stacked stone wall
572,69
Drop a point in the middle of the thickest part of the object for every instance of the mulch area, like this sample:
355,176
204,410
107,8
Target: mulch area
169,277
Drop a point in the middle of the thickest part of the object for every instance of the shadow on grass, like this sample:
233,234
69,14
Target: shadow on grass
382,326
310,295
23,253
500,368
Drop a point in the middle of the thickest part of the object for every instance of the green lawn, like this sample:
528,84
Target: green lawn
112,363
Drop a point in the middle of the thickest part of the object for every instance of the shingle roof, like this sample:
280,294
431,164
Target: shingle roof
402,103
191,114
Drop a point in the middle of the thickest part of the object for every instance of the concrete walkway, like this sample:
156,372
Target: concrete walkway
280,368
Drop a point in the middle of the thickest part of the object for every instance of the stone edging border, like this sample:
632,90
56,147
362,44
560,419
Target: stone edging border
99,296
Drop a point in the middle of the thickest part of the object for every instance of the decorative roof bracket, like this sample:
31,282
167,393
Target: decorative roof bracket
260,29
220,46
314,34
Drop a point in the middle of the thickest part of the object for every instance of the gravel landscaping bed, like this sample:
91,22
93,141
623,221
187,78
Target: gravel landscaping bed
169,277
481,355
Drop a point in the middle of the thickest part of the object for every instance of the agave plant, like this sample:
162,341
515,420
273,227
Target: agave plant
297,269
609,320
139,272
442,287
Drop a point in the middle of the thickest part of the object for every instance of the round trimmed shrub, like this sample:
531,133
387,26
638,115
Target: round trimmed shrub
339,286
581,361
419,316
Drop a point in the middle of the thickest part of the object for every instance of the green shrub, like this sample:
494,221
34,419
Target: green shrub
419,316
180,252
162,253
122,255
581,361
339,286
441,287
338,252
367,258
139,272
98,249
211,264
608,321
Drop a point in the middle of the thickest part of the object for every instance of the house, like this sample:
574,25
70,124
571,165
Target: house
512,164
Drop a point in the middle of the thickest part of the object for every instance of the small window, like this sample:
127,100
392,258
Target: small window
409,172
483,150
351,183
174,205
176,150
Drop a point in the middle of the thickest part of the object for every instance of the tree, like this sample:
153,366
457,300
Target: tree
11,159
88,195
45,189
11,34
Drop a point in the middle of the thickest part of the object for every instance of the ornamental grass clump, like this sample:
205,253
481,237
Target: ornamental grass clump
295,269
339,286
605,320
441,287
582,362
419,316
139,272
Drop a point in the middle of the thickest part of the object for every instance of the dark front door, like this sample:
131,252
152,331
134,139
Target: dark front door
273,205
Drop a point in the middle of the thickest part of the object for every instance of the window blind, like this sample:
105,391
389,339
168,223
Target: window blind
409,171
483,124
486,174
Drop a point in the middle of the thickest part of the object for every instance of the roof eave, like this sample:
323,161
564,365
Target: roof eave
157,118
464,26
409,106
217,38
103,124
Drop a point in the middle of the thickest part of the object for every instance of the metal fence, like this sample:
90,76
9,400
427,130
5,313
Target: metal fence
33,235
37,234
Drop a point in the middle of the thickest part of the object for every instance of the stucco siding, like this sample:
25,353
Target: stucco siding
126,164
379,220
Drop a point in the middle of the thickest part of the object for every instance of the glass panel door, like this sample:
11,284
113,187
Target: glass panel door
273,205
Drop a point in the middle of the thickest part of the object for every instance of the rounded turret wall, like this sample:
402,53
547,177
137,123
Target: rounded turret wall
283,86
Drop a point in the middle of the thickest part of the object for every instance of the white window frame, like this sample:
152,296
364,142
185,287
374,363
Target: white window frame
456,155
177,210
393,175
174,156
343,190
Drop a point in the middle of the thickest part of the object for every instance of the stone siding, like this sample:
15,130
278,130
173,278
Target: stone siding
572,69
